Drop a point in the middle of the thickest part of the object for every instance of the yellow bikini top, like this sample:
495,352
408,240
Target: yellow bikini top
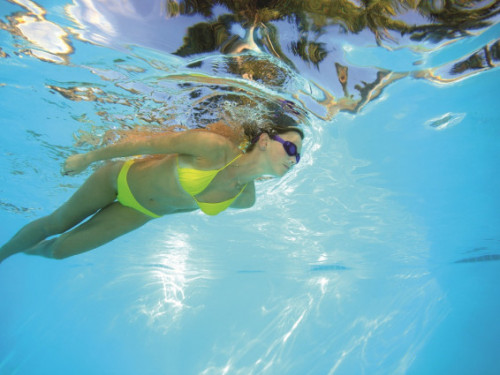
194,181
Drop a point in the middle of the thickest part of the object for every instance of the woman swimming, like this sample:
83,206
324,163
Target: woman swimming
193,169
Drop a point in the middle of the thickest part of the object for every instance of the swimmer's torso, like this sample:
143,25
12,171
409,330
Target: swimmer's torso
155,184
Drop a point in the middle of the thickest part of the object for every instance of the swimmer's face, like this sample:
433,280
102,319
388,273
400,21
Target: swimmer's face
281,160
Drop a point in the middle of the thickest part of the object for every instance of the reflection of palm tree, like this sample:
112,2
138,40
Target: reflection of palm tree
270,39
211,36
238,45
309,51
206,36
474,62
495,50
452,19
378,16
381,17
479,60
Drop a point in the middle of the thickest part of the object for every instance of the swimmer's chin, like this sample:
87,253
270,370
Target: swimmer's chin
283,171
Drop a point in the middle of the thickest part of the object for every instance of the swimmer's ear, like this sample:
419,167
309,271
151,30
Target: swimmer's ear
263,141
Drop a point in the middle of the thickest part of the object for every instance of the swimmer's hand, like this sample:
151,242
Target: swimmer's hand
75,164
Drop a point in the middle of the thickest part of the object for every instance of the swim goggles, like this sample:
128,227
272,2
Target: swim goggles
290,147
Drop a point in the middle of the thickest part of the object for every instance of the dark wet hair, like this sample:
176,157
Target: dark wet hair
254,133
279,117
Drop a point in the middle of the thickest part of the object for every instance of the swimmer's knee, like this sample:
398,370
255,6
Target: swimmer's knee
65,246
57,249
52,249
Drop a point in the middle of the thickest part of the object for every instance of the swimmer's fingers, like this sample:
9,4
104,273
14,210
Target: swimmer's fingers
75,164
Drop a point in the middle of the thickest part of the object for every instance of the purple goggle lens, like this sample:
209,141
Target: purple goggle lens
290,147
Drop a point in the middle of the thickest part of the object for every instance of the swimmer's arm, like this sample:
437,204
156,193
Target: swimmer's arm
196,143
190,142
246,198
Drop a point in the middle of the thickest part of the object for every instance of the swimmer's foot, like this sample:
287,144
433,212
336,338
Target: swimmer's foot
5,252
43,248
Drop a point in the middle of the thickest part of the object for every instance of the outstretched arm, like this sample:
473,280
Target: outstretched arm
190,142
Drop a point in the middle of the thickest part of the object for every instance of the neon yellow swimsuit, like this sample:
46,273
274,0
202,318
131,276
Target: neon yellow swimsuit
195,181
125,196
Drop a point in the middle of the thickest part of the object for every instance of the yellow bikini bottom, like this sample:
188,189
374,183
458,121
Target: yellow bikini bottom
125,196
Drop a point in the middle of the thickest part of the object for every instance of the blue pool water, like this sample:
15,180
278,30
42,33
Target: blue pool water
378,254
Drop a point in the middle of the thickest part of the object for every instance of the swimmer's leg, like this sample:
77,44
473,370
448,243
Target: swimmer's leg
98,191
109,223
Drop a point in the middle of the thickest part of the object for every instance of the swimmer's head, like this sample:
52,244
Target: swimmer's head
277,117
271,131
281,152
